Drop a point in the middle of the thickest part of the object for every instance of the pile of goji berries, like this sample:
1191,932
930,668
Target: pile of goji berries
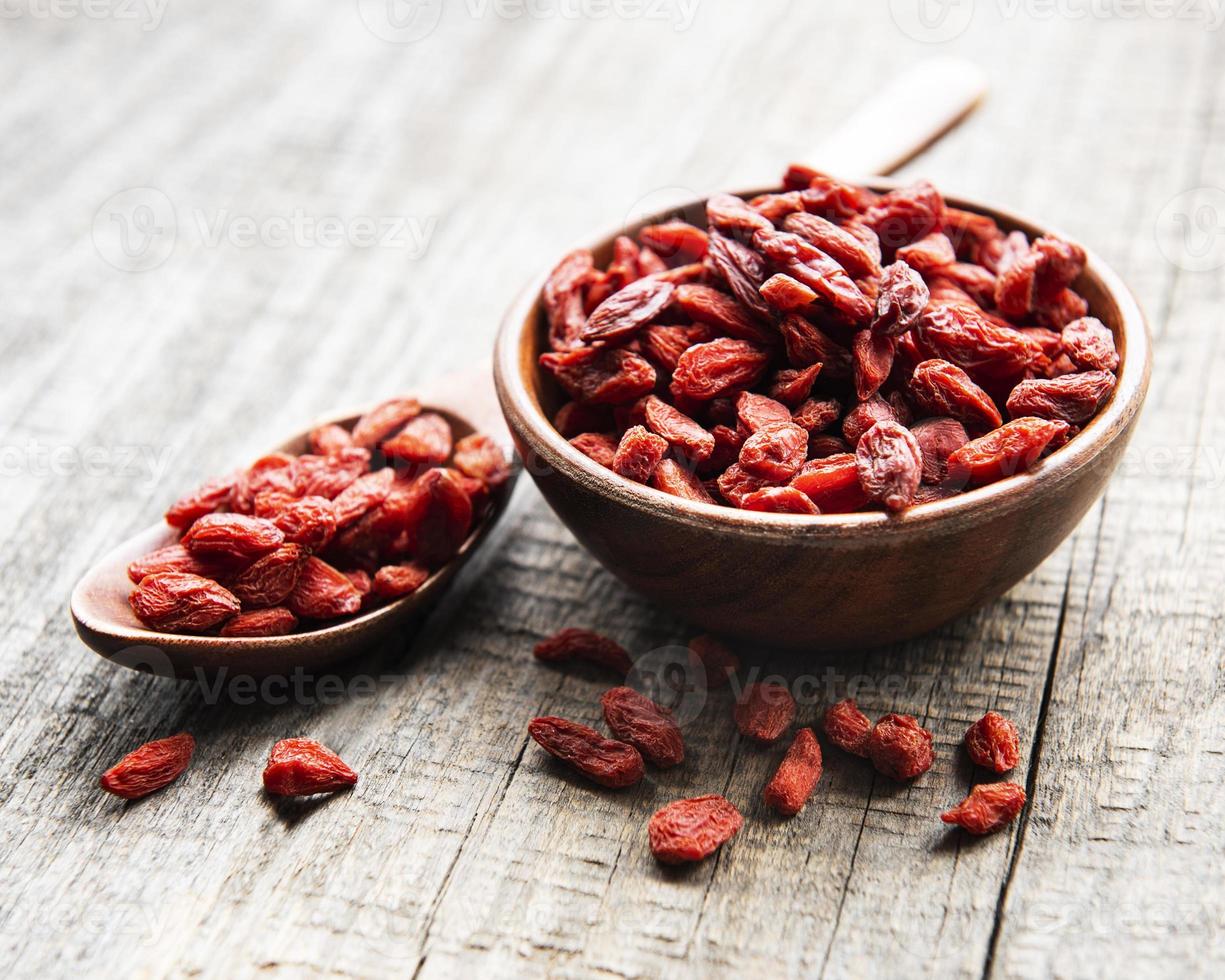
692,829
367,515
296,767
825,349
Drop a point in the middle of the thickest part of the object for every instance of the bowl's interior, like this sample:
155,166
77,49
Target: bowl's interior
1108,299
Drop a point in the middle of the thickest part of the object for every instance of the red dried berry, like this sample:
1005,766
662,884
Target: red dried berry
1010,449
718,663
900,747
233,536
817,415
432,513
706,371
779,500
807,344
993,743
693,829
638,453
873,354
938,439
626,311
725,314
329,476
645,725
173,558
303,767
308,521
327,440
941,388
900,301
276,621
393,581
856,257
683,433
269,580
150,767
735,485
602,760
573,643
848,727
865,415
805,262
906,214
601,376
966,337
1071,398
989,807
208,498
480,457
756,412
322,592
671,477
426,440
177,602
928,254
1090,344
796,776
362,495
596,445
786,294
563,298
890,465
775,452
792,385
383,421
832,484
764,711
674,238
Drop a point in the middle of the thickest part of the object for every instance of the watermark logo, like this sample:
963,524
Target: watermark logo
147,13
932,21
136,229
400,21
1190,229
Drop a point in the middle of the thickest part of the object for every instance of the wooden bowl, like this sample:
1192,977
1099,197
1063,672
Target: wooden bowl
829,581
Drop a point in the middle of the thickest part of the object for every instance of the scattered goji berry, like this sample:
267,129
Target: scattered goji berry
648,727
693,829
796,776
574,643
993,743
602,760
764,711
989,807
303,767
848,727
150,767
900,747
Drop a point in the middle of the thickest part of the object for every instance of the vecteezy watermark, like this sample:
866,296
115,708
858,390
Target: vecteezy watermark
142,464
137,229
147,13
408,21
938,21
1190,229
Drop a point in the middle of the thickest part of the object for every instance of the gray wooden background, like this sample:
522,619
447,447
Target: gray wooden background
220,219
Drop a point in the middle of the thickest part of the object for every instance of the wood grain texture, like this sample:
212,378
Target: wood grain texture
464,850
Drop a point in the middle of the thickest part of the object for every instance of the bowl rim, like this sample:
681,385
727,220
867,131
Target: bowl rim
527,420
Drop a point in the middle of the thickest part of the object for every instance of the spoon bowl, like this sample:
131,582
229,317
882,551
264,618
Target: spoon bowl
830,581
105,621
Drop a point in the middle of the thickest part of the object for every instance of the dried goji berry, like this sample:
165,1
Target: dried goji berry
873,354
268,580
832,484
173,558
1010,449
792,386
718,663
303,767
479,456
764,711
432,513
573,643
735,485
775,452
177,602
756,412
779,500
941,388
596,445
993,743
786,294
817,415
807,344
274,621
733,216
276,471
1038,275
841,246
671,477
329,476
362,495
938,439
648,727
816,270
706,371
674,238
601,375
602,760
848,727
989,807
327,440
322,592
865,415
796,777
906,214
900,301
741,268
233,536
208,498
900,747
638,453
1090,344
383,421
928,254
393,581
150,767
980,347
682,433
722,312
890,465
692,829
1071,398
425,440
626,311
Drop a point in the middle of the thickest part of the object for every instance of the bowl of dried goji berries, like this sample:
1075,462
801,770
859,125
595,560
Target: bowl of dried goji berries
824,414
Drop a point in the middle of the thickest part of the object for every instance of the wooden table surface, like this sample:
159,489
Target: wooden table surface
222,219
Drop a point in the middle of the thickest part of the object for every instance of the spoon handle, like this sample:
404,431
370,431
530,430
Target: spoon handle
903,119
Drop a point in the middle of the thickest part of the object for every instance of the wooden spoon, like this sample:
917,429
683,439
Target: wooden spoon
105,621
